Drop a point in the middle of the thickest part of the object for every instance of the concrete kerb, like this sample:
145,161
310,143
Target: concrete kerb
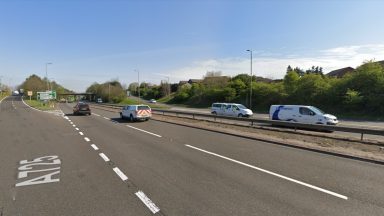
281,142
60,112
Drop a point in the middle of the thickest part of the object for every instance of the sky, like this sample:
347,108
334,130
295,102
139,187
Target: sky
91,41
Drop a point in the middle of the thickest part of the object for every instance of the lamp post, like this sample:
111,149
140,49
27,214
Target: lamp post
138,84
250,95
46,74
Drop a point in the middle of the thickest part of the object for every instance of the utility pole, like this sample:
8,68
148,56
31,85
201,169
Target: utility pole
250,96
46,74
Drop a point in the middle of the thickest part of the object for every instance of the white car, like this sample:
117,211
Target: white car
231,109
152,101
136,112
301,114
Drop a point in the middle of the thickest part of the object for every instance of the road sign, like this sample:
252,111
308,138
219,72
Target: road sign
48,95
30,93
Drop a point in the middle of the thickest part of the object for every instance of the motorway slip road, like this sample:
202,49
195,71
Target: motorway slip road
166,169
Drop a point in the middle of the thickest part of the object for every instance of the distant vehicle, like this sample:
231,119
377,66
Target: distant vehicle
136,112
15,93
62,100
231,109
81,108
301,114
99,100
152,101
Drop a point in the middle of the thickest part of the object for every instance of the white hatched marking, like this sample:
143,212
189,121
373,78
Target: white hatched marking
120,174
154,209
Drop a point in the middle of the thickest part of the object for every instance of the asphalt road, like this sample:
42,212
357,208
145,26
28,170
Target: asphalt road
180,170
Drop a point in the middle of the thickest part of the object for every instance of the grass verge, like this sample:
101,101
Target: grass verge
40,105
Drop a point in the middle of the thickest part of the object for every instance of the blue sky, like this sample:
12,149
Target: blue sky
98,40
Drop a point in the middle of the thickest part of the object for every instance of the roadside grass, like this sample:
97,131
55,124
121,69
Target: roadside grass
2,96
130,101
40,105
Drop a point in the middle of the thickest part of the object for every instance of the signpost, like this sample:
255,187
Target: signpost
30,93
47,95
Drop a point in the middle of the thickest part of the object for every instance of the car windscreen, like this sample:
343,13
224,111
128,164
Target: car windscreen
241,106
317,110
143,108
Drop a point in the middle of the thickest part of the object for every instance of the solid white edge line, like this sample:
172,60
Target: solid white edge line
30,106
143,131
272,173
120,174
81,133
151,205
105,158
87,139
94,147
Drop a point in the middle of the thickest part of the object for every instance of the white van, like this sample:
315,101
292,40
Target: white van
231,109
301,114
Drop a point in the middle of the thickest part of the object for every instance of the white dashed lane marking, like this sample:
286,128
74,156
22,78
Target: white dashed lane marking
272,173
81,133
87,139
77,128
105,158
120,174
96,114
143,131
154,209
94,147
106,118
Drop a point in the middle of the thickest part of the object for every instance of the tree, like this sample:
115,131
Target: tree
290,82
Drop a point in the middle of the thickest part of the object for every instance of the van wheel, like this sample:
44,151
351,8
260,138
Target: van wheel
131,118
214,113
121,116
240,115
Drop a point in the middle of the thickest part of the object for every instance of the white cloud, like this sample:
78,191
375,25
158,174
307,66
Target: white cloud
275,67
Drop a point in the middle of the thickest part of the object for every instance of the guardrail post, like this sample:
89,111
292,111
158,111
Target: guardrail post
362,134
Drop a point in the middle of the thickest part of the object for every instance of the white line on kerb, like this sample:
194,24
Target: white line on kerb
154,209
87,139
272,173
143,131
81,133
120,174
105,158
95,147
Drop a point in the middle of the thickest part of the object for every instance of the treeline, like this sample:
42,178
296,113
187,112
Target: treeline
35,84
112,91
360,92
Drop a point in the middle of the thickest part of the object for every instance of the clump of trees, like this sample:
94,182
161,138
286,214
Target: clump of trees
35,84
360,92
111,91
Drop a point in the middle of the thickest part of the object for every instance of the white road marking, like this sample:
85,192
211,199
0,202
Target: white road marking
106,118
77,128
154,209
114,121
120,174
66,117
71,123
87,139
272,173
143,131
105,158
81,133
95,147
95,114
74,125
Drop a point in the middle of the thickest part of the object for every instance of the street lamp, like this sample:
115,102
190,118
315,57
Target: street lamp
46,74
250,95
